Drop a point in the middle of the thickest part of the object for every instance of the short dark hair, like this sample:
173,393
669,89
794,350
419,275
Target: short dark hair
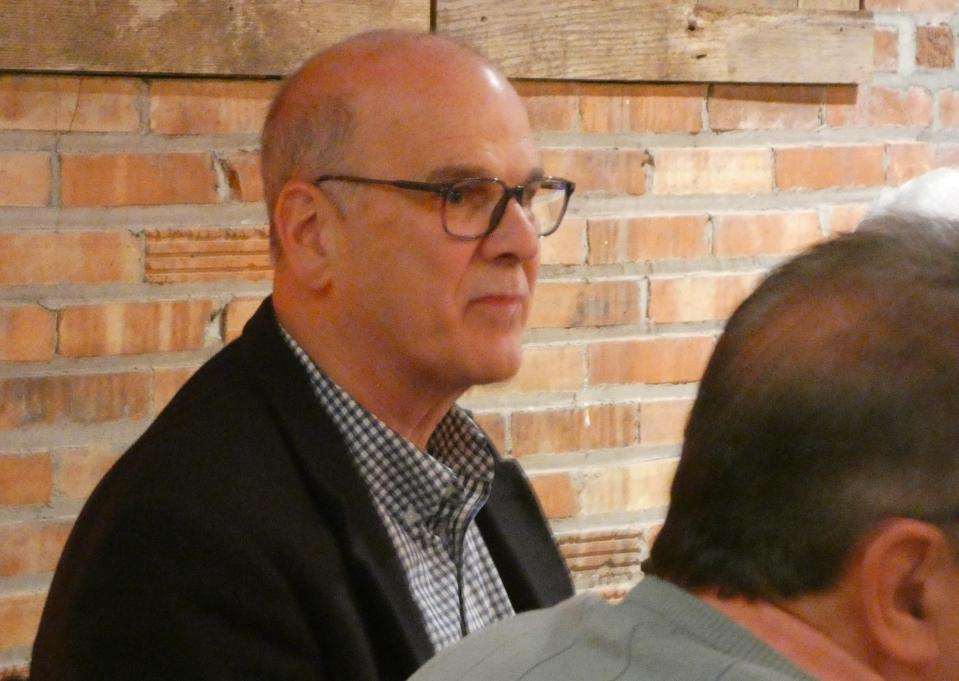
831,401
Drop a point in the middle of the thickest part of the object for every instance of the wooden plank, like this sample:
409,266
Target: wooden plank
847,5
844,5
190,37
662,40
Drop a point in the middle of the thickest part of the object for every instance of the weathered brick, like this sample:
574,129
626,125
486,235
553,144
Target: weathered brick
494,425
31,547
25,479
19,619
662,422
73,398
665,359
190,107
599,169
828,167
238,313
565,246
764,107
661,237
207,254
555,494
566,430
579,304
48,257
69,104
166,383
694,298
712,170
845,218
642,108
133,328
80,469
946,155
25,178
878,106
242,171
546,369
137,179
640,486
935,47
552,105
949,108
26,333
885,44
603,557
908,160
766,233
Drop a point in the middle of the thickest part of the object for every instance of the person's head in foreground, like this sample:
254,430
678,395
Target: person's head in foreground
934,194
813,530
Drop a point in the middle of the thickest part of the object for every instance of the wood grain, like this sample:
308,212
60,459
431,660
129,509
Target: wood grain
663,40
210,37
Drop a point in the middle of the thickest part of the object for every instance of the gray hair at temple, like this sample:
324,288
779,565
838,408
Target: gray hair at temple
932,195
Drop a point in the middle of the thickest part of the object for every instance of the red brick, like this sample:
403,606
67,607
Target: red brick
82,468
544,369
946,155
26,333
551,105
133,328
870,107
600,554
207,254
935,47
664,359
19,619
695,298
764,107
238,313
494,425
190,107
555,494
599,169
767,233
166,383
642,108
885,43
580,304
566,430
661,237
28,548
846,218
25,479
69,104
73,398
908,160
828,167
949,108
45,257
137,179
712,170
637,487
25,178
662,422
565,246
242,171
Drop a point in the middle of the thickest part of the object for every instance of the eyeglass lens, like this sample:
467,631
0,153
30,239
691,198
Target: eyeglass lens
470,205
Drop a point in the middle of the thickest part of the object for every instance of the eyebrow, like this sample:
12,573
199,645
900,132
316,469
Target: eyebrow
452,173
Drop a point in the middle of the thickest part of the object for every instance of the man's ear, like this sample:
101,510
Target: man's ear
304,219
902,572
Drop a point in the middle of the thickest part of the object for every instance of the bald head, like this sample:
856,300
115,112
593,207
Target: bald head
325,118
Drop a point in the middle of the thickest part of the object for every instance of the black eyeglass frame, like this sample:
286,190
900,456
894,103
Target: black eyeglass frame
443,189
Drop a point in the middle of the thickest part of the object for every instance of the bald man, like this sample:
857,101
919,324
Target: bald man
313,504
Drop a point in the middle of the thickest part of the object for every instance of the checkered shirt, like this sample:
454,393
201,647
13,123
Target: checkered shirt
427,501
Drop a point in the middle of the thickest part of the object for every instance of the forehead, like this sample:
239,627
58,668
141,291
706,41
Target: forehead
460,112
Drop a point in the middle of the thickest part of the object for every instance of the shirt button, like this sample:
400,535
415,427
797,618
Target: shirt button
411,517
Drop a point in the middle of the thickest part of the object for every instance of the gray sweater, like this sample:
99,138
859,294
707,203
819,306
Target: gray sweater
658,633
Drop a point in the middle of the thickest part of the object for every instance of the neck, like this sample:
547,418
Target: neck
406,403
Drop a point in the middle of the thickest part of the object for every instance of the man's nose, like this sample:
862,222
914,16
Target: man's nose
515,234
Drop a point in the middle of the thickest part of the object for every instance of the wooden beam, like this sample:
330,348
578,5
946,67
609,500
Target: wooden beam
209,37
662,40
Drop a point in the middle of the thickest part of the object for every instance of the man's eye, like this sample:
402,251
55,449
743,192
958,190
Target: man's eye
455,197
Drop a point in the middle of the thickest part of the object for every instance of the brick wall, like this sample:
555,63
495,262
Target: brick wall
133,245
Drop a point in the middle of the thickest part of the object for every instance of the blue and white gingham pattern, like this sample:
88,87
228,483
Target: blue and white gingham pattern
427,501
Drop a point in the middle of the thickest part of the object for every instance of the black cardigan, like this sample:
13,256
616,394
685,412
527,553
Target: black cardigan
235,540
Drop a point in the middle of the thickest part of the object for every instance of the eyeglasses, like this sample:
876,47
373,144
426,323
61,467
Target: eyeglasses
473,207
